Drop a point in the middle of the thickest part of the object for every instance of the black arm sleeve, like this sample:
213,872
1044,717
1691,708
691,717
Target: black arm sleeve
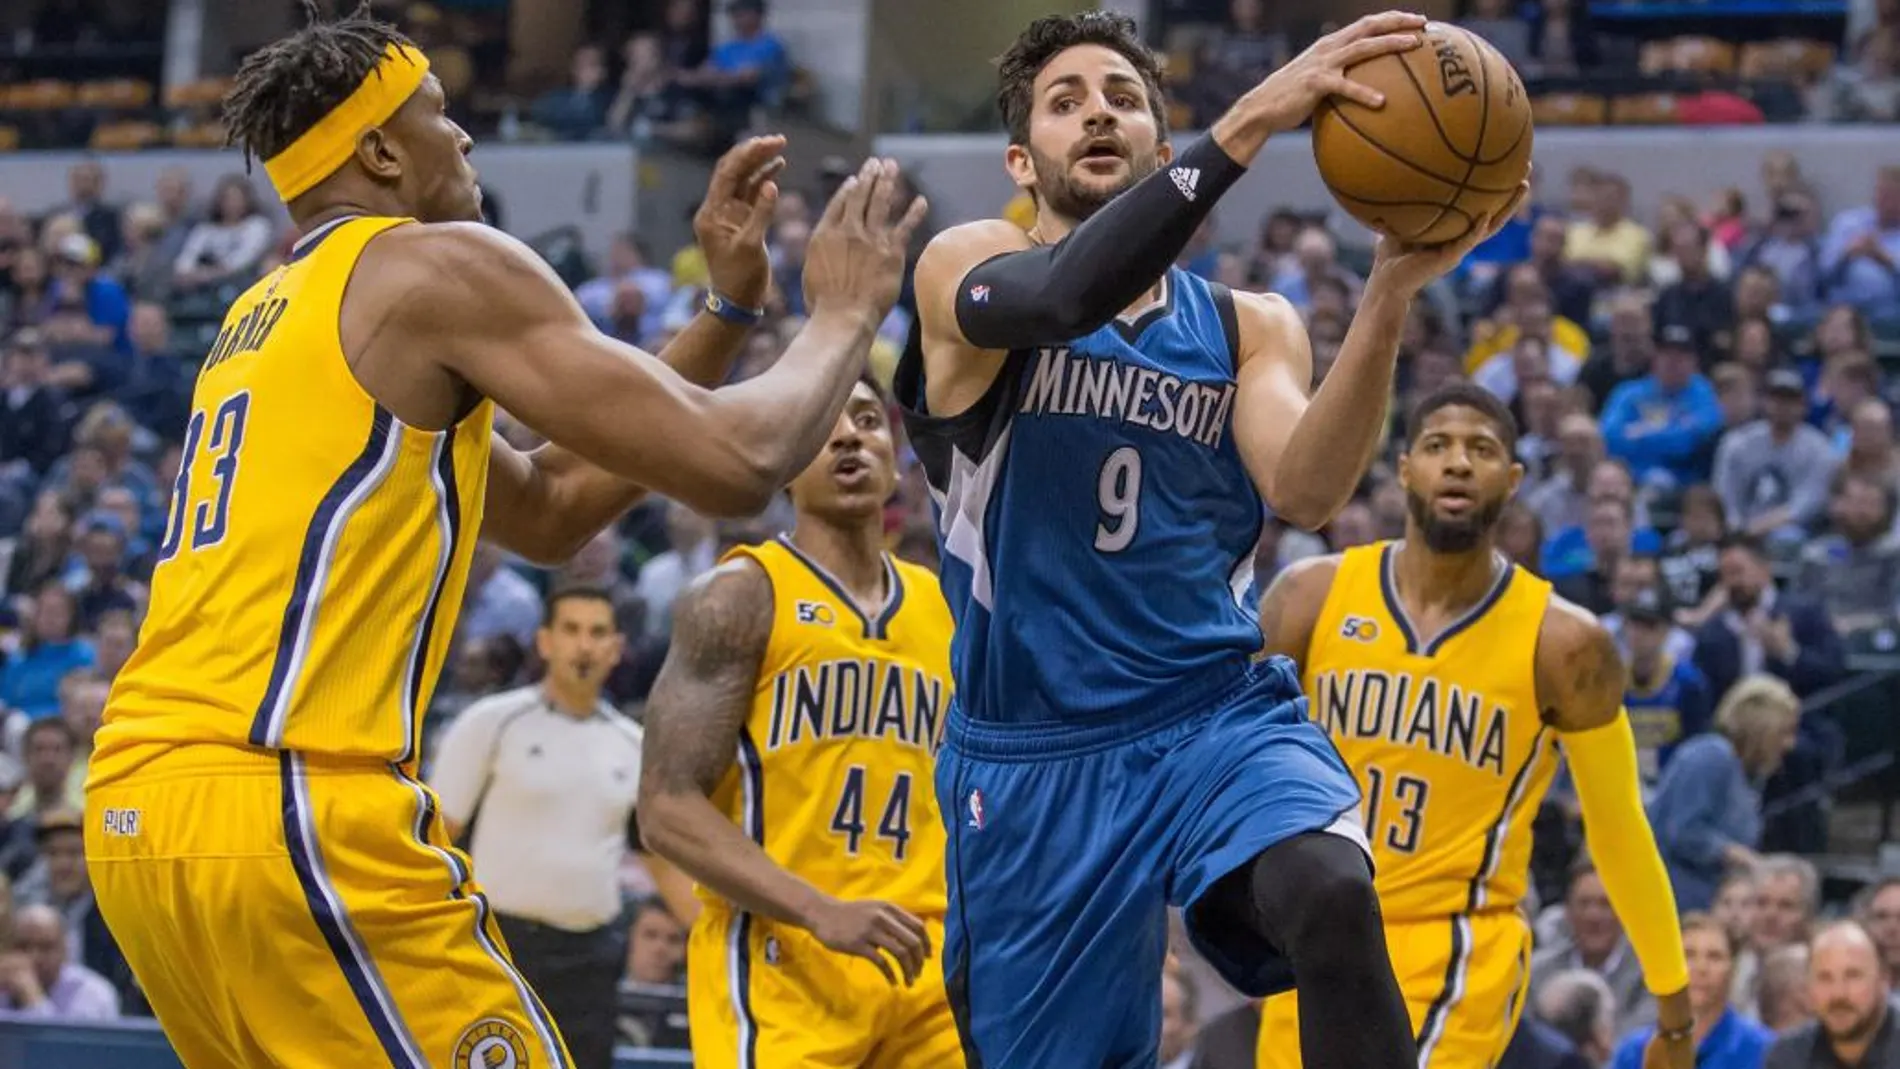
1055,293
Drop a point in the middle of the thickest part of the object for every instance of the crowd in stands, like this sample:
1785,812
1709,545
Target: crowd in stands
1710,456
660,79
1782,64
1711,464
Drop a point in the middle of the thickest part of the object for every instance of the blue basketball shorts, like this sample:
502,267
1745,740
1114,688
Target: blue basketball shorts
1067,844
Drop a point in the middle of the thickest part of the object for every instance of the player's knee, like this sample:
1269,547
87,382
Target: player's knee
1318,891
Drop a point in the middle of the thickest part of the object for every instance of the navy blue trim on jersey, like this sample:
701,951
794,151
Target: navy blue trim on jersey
538,1016
875,627
893,601
742,991
1389,589
1131,329
309,242
300,844
1433,1025
309,560
752,771
1229,320
452,508
752,795
972,432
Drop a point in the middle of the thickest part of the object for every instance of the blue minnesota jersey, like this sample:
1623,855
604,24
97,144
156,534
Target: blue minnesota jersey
1097,526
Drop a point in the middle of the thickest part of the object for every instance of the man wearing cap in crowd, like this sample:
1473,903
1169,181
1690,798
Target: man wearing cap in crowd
77,283
1664,425
32,425
1668,699
1772,474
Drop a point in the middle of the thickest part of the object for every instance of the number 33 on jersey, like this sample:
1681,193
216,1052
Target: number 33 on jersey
290,476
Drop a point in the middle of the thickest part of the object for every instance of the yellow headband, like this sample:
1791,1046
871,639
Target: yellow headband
324,147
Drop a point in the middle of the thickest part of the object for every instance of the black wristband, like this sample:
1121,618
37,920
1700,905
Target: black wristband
1055,293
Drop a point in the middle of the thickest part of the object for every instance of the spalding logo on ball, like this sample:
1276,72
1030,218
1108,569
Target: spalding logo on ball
1450,146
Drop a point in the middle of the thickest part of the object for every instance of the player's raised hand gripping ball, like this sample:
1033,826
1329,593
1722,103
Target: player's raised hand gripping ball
1325,69
1448,148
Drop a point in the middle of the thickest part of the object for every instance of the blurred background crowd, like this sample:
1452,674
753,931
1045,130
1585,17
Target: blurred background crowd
1704,384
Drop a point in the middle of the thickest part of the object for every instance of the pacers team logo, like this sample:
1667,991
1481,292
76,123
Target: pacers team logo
491,1043
1359,629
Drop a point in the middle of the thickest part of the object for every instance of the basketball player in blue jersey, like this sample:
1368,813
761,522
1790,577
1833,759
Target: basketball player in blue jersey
1100,430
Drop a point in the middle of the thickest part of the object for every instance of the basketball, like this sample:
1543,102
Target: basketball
1451,144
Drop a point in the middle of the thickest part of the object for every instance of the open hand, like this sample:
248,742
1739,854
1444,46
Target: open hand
1407,269
857,251
1290,94
870,930
732,221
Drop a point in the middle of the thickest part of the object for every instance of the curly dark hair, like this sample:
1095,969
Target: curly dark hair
1050,35
288,86
1464,395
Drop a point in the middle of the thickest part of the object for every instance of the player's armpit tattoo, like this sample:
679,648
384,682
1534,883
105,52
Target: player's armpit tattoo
721,624
1580,670
1597,666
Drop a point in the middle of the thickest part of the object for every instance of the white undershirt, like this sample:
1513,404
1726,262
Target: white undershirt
555,794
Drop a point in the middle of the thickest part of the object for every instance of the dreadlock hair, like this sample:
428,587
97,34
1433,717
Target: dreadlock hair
1053,34
288,86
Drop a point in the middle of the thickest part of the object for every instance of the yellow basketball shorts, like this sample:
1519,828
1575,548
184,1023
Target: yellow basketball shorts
764,995
278,911
1464,980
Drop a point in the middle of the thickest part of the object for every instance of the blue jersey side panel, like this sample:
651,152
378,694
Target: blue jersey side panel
1096,522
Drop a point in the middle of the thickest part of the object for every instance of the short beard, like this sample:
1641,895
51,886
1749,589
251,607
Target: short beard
1452,536
1061,194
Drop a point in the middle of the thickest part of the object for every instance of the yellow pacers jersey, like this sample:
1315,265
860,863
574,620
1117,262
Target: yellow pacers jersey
1443,732
316,550
834,772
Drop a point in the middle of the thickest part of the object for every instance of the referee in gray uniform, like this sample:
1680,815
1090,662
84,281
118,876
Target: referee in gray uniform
543,780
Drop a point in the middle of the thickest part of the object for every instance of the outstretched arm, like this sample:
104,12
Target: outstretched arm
1307,449
1002,292
546,504
503,322
694,729
1580,680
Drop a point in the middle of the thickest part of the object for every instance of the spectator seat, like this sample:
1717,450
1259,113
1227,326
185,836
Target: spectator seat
1701,55
117,93
1568,109
1785,57
1644,109
200,135
126,136
203,93
9,138
43,95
